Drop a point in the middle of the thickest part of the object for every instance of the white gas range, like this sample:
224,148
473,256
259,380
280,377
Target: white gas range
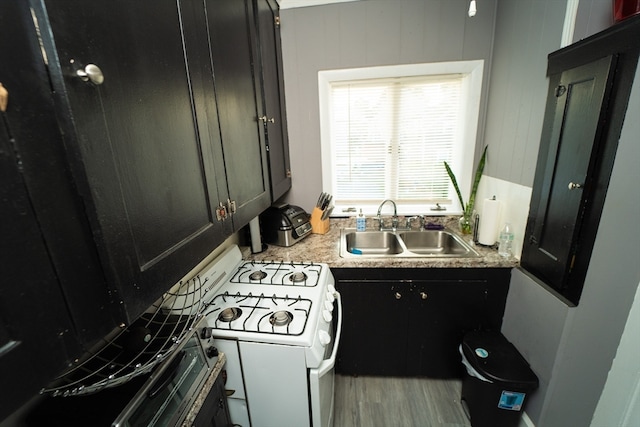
279,325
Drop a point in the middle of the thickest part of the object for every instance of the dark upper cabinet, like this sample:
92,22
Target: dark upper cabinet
131,148
589,87
273,112
237,87
36,331
143,165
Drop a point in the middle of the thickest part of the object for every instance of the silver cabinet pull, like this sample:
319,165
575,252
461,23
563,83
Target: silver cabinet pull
264,119
398,295
91,73
573,186
423,295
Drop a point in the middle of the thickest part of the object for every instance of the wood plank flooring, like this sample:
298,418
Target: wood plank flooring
398,402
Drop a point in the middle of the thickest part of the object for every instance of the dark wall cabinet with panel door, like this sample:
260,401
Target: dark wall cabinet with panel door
410,322
134,129
589,86
273,113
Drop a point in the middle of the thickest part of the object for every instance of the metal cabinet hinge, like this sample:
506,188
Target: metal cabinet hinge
276,21
288,173
560,90
231,206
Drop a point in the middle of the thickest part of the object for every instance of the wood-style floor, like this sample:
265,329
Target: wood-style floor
397,402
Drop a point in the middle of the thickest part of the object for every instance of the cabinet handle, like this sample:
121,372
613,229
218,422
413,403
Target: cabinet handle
398,295
423,295
91,73
264,119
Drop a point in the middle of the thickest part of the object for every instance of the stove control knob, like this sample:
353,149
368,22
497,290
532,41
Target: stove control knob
212,352
328,306
330,297
327,316
205,333
324,337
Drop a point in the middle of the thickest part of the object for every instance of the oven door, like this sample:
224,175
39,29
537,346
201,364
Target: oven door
322,380
168,395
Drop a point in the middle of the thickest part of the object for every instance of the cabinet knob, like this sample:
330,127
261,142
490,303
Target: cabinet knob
91,73
573,186
423,295
264,119
398,295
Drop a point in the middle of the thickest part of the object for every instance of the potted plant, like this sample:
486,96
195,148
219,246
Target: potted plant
467,210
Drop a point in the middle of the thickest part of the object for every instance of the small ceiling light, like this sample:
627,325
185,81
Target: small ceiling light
472,8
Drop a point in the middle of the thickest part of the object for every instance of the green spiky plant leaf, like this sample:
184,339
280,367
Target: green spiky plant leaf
468,208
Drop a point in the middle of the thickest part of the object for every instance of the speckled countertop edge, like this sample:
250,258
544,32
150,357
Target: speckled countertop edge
204,391
325,248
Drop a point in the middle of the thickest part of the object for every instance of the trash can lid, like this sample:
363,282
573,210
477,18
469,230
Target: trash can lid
495,358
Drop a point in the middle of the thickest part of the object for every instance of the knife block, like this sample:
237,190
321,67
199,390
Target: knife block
318,225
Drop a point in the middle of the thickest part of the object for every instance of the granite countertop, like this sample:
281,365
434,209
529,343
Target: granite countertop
325,248
204,391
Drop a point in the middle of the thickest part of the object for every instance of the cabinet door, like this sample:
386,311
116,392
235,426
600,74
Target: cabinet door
214,411
565,170
273,104
233,49
443,312
374,334
36,333
149,190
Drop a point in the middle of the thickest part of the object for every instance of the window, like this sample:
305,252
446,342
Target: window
386,132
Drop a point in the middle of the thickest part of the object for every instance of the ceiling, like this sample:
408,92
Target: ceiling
290,4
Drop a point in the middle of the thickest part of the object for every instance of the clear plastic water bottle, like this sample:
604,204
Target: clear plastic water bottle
505,248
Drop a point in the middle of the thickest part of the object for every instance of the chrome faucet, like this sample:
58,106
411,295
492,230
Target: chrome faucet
394,221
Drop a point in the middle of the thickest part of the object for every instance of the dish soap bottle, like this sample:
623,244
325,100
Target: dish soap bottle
505,248
361,222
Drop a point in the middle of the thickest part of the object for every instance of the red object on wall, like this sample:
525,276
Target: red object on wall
623,9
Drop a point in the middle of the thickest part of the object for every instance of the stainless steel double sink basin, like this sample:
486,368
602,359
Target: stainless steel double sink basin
404,244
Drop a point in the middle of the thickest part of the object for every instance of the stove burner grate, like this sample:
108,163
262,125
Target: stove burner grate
281,318
229,314
297,277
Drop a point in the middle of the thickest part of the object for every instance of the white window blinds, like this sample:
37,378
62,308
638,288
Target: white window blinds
390,137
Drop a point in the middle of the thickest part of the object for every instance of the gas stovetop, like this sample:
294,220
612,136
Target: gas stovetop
268,301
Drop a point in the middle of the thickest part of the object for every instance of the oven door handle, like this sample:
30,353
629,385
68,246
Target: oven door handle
328,364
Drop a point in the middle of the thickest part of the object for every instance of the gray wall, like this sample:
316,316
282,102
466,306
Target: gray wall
571,349
367,33
526,32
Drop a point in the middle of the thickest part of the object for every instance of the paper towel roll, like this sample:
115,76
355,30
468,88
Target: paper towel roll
256,238
489,222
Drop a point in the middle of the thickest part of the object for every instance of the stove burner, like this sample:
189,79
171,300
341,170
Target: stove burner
229,314
281,318
257,275
298,276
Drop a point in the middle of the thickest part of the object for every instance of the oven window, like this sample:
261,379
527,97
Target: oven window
163,407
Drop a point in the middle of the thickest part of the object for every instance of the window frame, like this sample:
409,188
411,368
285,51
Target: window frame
462,163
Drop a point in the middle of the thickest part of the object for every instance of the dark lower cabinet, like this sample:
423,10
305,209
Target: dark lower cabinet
214,411
410,322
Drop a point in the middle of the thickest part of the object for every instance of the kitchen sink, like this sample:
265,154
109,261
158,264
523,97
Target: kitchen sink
409,244
378,243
